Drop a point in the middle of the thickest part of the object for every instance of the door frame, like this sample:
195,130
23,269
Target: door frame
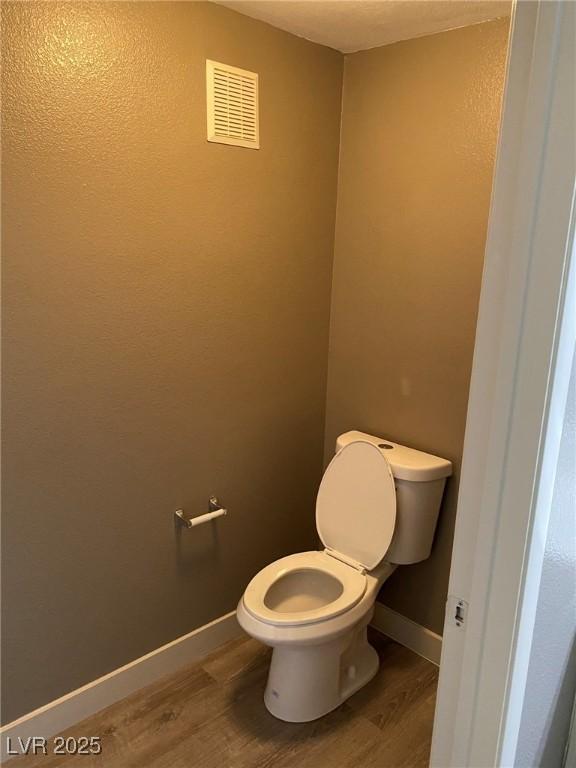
524,344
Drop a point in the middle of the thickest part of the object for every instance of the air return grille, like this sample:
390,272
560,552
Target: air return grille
232,108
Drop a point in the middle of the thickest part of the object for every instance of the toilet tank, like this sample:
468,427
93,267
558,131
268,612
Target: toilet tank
419,479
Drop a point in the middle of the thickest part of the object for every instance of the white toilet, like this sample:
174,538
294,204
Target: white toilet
377,508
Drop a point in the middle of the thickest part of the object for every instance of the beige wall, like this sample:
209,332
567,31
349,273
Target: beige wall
166,308
419,131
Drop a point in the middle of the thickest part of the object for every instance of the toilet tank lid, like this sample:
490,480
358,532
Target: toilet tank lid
406,463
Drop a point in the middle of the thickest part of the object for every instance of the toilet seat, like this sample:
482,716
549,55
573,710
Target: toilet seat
323,585
355,518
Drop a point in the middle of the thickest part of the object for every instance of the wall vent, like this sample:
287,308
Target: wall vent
232,105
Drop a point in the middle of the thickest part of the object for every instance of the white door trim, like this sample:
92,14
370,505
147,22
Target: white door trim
517,388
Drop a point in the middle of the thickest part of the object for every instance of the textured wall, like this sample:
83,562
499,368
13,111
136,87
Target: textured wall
166,308
551,683
419,132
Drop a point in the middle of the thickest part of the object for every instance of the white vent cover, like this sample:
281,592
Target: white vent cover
232,105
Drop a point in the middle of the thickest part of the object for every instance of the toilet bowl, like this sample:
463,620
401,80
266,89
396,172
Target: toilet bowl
377,507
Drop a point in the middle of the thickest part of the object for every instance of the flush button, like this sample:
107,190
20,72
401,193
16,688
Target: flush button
386,446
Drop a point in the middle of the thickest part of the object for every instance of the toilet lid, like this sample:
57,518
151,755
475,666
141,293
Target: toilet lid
356,504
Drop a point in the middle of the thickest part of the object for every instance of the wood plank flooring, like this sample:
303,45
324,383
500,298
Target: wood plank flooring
212,715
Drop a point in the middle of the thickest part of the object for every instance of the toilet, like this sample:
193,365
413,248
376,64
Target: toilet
377,508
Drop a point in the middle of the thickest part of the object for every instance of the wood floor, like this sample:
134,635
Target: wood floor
211,715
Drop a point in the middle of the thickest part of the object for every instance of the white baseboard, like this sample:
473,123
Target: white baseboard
422,641
60,714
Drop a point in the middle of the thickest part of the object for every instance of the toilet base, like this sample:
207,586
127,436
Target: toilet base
307,682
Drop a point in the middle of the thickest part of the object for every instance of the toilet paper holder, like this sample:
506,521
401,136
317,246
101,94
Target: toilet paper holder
216,510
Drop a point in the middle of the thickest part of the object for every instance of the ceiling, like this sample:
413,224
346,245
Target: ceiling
355,25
